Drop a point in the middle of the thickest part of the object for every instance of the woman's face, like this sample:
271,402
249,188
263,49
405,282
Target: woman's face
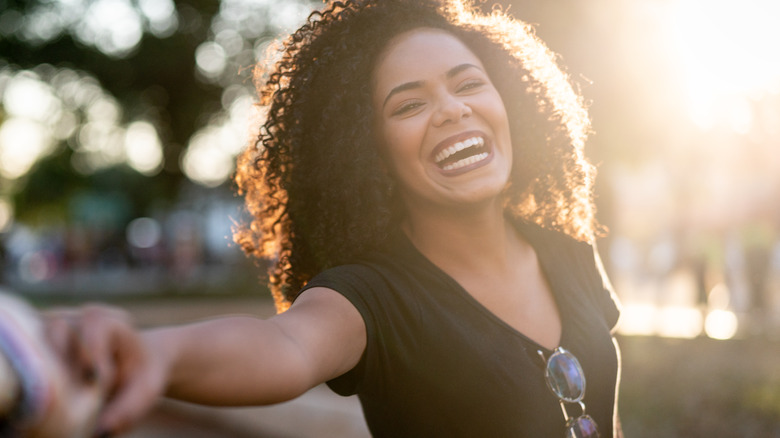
443,126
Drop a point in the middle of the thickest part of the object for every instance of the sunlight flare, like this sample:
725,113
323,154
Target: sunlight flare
727,55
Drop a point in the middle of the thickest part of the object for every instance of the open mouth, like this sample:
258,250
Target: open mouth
462,154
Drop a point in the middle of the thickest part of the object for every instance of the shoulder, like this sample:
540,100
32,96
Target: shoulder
359,276
375,271
386,287
554,240
578,262
366,284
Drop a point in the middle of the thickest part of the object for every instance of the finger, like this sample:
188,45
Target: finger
141,384
99,331
128,406
59,334
93,350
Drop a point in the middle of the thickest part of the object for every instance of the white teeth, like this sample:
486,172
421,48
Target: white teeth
466,161
459,146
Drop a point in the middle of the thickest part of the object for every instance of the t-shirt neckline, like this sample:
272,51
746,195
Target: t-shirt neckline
526,230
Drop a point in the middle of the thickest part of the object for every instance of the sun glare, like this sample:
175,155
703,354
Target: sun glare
728,54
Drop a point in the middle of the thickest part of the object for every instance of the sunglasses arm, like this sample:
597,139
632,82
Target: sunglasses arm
566,413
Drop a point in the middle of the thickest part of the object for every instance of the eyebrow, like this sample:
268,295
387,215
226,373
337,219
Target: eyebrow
417,84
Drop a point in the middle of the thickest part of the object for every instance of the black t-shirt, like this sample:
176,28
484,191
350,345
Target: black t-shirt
438,363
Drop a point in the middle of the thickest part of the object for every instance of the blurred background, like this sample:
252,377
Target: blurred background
120,121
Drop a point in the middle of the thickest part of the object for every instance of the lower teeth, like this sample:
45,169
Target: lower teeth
466,161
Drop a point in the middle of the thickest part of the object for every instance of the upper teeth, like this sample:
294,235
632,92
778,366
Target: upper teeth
459,146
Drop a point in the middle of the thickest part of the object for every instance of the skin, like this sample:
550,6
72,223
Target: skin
455,218
228,361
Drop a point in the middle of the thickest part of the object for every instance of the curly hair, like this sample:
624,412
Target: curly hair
312,181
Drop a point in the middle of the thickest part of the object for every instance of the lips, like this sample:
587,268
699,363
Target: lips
463,152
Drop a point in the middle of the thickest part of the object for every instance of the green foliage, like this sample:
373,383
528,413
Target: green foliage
156,80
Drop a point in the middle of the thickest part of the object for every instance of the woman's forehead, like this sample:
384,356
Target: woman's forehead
420,53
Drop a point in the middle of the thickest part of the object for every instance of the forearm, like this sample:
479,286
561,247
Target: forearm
225,361
229,361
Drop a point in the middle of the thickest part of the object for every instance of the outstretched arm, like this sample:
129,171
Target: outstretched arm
225,361
251,361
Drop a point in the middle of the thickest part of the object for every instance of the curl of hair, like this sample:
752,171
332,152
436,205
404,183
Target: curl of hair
312,180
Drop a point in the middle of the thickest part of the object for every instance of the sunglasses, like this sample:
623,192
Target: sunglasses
566,380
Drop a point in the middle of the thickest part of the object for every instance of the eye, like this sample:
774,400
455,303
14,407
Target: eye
407,108
470,84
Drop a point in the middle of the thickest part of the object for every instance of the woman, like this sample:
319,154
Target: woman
420,183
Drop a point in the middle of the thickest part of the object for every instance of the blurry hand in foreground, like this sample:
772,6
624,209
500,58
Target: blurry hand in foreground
102,348
72,373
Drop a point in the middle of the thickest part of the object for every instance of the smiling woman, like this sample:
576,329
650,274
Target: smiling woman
551,181
412,152
420,188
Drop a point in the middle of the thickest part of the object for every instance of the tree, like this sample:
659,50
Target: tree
96,86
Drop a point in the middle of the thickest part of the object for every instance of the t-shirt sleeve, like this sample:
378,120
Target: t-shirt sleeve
358,284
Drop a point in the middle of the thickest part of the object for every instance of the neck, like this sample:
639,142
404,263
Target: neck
473,238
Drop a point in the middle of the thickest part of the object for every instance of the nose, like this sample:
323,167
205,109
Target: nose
450,110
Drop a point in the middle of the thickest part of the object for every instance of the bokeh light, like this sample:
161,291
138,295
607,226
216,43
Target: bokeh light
210,156
721,324
27,96
22,143
210,59
115,27
37,266
206,161
6,215
143,148
144,232
161,16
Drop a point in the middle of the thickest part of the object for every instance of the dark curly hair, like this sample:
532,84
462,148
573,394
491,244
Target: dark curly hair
312,180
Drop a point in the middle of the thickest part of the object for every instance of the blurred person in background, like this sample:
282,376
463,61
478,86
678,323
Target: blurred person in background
420,184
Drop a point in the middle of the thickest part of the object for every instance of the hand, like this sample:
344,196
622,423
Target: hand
42,398
101,347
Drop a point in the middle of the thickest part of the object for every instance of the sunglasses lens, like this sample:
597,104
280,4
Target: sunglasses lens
565,376
582,427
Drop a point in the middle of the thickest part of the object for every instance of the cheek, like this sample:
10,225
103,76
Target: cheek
494,106
496,112
401,143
